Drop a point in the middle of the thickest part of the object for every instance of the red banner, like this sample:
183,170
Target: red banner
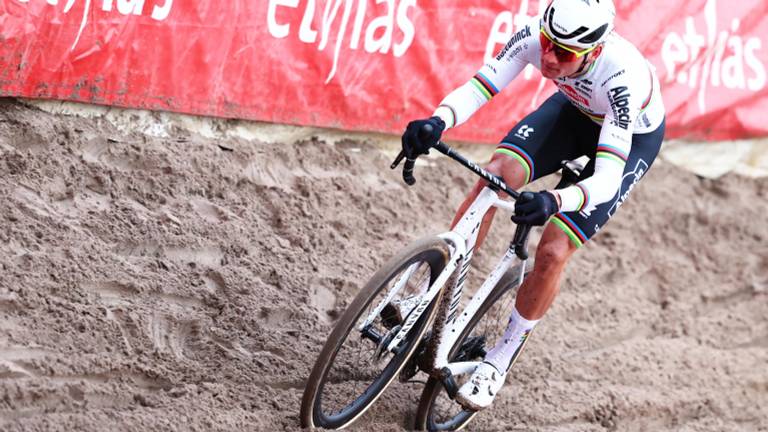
368,65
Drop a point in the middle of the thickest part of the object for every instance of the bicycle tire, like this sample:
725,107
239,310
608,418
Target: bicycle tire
431,250
425,415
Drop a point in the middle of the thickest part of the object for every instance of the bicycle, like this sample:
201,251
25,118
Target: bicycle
422,285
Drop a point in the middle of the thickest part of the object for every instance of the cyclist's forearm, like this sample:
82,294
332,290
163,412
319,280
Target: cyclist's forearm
595,190
610,159
460,105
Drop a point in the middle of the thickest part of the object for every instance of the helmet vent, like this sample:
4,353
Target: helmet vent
595,35
568,36
549,13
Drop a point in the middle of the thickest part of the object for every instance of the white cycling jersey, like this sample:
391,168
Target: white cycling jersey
619,91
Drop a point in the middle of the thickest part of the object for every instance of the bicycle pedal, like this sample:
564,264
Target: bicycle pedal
449,382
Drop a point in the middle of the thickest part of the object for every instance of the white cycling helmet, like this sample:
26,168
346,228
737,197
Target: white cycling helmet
579,23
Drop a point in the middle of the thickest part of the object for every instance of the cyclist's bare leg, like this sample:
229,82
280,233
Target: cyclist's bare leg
533,299
541,286
513,175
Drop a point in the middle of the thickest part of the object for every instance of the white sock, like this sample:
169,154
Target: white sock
507,347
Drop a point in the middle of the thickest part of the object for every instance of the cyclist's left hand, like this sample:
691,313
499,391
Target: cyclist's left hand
417,141
535,208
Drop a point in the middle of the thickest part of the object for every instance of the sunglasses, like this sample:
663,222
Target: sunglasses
562,52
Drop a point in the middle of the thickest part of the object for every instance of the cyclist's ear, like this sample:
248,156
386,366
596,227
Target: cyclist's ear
596,52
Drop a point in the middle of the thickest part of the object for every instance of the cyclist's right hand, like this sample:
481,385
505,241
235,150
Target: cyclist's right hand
417,139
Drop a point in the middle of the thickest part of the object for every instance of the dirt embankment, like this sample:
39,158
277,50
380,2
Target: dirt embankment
172,284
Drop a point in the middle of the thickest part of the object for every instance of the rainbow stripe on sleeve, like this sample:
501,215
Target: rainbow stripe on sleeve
606,151
484,85
584,197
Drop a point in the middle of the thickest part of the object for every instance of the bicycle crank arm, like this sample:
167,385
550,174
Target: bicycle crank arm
449,383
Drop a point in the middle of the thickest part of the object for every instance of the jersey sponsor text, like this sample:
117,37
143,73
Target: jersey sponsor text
573,94
619,98
522,34
617,74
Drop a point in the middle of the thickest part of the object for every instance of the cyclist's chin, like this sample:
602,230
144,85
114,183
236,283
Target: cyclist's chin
550,73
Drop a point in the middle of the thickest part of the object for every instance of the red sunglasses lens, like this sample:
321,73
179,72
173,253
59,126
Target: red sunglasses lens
546,44
562,55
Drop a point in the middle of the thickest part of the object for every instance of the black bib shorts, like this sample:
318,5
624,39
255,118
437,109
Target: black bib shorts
558,131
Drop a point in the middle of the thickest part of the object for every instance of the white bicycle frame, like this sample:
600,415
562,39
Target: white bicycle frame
461,241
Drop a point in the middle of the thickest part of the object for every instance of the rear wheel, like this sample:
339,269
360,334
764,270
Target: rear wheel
354,367
438,412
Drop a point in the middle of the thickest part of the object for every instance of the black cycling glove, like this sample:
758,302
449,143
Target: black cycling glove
417,141
535,208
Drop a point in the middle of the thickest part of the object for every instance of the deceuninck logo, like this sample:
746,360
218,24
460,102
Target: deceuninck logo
519,36
157,9
504,26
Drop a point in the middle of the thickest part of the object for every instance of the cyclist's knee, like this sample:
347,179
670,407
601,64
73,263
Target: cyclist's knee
554,249
509,169
494,167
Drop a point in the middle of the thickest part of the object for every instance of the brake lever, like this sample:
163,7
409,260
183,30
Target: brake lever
408,177
398,159
520,241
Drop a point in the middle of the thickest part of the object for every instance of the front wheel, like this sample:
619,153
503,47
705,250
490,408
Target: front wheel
437,412
354,367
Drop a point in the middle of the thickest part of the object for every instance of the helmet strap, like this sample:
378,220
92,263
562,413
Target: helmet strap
581,68
584,65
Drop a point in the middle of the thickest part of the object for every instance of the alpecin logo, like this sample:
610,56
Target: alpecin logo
619,98
628,183
522,34
157,9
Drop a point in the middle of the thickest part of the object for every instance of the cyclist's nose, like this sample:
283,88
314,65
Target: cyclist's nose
549,59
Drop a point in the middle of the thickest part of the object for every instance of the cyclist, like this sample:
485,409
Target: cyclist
608,107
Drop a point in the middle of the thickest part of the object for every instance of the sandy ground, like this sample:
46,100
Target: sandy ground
186,283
